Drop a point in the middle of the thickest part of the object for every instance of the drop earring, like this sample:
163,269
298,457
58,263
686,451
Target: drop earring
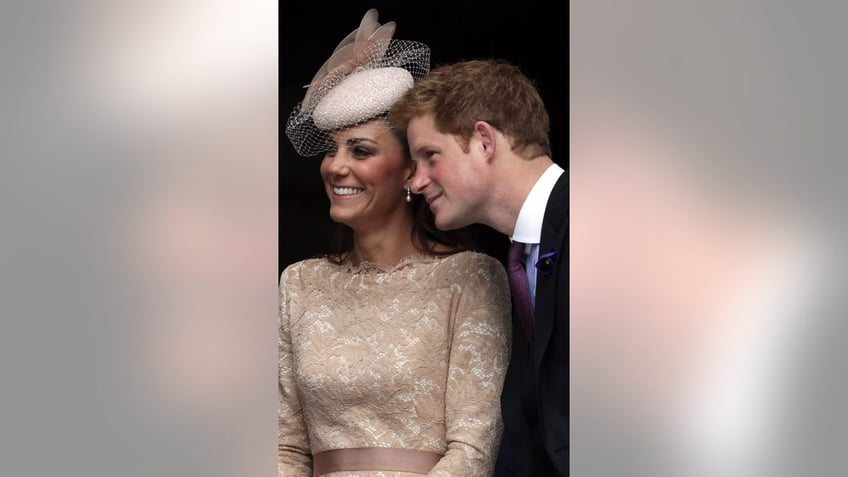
408,194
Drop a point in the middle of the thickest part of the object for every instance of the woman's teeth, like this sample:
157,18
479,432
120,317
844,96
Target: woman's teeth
347,190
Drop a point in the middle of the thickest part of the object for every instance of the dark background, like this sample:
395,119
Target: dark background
528,34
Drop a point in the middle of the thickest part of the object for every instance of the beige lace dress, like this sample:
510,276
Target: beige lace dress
411,357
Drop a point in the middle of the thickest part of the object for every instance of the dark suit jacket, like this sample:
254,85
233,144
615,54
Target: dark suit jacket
535,395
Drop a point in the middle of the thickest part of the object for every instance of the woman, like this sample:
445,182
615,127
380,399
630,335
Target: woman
393,349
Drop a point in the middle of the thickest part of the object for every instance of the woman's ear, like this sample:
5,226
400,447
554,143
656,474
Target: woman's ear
409,173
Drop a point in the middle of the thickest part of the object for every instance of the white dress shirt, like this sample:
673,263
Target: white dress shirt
528,226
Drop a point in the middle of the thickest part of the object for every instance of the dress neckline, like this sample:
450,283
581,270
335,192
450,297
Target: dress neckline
371,267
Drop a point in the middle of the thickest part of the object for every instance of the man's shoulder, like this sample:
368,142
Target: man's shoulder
556,210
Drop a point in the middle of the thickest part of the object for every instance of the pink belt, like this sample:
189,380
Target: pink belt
374,458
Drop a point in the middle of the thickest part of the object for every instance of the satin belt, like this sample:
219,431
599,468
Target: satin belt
374,458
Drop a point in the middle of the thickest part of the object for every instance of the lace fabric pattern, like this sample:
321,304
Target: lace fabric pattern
410,357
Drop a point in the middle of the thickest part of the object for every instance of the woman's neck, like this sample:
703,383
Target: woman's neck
386,246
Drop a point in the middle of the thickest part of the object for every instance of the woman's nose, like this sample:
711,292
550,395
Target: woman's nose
336,164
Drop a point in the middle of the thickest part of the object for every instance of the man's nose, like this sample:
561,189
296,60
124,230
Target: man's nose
421,179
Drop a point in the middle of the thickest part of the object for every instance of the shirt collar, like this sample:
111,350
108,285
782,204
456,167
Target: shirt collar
528,226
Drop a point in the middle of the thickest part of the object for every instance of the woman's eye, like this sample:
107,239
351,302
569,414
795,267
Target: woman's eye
362,152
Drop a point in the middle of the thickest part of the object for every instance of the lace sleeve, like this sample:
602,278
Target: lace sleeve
478,361
295,458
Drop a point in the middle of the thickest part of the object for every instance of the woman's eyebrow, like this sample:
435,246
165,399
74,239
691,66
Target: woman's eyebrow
358,140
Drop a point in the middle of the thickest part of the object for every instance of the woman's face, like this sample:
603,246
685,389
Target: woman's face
365,177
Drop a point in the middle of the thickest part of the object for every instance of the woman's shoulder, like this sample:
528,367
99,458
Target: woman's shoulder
470,263
297,270
476,258
477,274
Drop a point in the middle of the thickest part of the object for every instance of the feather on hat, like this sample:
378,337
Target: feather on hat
366,73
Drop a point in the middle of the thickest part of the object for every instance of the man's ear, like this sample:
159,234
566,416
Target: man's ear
484,133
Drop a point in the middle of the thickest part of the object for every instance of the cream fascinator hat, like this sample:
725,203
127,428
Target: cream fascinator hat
360,81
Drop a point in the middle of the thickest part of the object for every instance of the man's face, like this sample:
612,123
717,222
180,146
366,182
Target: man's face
450,179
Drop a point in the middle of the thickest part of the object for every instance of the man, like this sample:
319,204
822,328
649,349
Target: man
479,133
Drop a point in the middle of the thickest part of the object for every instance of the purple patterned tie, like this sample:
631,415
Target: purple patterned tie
520,288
